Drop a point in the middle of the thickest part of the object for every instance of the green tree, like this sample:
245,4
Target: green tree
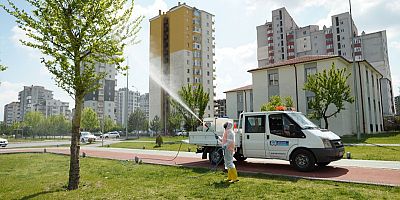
137,121
196,99
174,121
331,91
155,124
109,124
276,101
75,35
33,121
89,120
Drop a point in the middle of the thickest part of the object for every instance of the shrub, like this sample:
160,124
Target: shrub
159,140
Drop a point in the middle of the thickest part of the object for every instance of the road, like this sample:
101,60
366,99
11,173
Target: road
54,143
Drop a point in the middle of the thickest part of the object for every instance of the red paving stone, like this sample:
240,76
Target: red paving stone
345,174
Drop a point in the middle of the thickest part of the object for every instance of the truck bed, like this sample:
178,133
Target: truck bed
202,138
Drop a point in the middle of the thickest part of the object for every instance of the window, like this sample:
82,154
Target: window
337,30
304,32
309,99
338,45
279,124
187,61
188,71
339,52
310,71
283,56
208,73
255,124
338,37
273,79
188,80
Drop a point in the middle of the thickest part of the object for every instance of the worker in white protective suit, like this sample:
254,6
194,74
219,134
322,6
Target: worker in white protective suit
228,144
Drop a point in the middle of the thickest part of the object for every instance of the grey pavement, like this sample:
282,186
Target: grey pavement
37,144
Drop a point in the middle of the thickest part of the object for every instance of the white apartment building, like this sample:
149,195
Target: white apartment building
281,39
239,100
287,78
133,104
57,107
181,53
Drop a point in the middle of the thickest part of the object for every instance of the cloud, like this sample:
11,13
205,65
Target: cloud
8,94
152,9
231,66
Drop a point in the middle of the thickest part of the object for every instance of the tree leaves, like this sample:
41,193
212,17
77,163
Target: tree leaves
89,120
330,87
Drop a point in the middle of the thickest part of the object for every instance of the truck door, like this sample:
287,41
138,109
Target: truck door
282,134
254,136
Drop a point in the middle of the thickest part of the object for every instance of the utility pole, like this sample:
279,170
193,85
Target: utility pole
126,100
354,75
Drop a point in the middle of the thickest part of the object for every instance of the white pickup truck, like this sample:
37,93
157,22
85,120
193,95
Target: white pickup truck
285,135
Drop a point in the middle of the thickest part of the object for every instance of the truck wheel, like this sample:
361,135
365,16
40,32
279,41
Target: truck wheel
216,156
303,160
323,164
239,157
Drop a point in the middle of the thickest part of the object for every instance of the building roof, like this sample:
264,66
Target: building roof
247,87
298,60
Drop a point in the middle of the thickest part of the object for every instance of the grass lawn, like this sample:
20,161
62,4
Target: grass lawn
44,176
374,153
165,138
380,138
148,145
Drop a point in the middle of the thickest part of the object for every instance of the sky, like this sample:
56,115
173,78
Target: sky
236,41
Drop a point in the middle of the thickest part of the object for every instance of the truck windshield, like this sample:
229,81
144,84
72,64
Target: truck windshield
302,121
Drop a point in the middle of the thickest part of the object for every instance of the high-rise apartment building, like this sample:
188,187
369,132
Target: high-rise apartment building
144,104
12,113
220,108
57,107
33,98
133,104
281,39
103,99
181,52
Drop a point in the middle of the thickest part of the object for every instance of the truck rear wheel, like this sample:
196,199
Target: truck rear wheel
216,156
303,160
239,157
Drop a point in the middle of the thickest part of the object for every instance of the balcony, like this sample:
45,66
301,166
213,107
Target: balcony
270,34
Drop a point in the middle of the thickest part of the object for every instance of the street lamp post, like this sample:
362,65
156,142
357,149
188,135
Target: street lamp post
126,100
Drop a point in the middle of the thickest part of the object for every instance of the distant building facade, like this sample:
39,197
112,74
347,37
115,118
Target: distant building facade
397,102
144,104
133,98
33,98
102,101
12,113
220,108
281,39
57,107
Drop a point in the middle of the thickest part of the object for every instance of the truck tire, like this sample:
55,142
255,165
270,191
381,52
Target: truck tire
239,157
303,160
216,156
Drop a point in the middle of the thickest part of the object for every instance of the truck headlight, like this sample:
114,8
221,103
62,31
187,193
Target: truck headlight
326,142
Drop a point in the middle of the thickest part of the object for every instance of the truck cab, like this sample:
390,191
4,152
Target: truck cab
288,135
285,135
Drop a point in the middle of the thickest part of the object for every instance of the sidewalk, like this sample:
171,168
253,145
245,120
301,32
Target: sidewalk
357,171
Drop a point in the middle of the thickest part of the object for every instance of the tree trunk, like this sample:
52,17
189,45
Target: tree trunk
326,122
74,168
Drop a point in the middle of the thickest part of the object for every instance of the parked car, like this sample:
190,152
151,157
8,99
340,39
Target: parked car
3,142
87,137
181,133
112,134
